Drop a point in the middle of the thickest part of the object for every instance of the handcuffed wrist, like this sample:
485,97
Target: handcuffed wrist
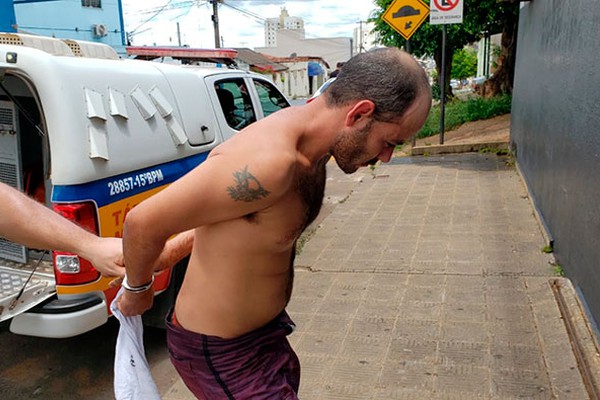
137,289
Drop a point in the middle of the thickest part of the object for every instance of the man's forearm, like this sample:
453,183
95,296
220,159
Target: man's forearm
175,250
142,247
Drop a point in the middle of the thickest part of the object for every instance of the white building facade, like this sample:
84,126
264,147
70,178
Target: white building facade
332,50
293,26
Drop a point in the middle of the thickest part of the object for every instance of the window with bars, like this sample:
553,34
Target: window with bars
91,3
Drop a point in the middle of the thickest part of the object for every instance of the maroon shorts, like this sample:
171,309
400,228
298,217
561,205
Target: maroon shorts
259,365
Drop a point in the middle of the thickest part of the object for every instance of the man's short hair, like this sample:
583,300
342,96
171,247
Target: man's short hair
388,77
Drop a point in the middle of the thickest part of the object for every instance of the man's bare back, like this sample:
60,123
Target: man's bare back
240,274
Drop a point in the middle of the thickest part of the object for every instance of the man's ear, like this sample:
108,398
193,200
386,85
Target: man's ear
363,109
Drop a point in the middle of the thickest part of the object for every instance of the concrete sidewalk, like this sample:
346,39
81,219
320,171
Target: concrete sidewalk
427,281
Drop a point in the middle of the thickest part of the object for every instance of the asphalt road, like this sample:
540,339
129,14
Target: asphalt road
74,368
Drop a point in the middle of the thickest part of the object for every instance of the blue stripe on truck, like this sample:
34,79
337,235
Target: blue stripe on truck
109,190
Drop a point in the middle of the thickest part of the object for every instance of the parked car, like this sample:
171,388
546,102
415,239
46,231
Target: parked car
321,89
477,82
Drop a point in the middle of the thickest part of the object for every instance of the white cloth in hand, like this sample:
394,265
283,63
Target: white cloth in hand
133,380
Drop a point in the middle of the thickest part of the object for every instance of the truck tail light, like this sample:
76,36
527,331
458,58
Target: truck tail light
70,269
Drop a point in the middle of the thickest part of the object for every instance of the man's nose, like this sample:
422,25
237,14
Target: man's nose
386,154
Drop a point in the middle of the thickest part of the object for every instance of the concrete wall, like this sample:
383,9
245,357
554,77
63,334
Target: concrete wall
70,20
555,127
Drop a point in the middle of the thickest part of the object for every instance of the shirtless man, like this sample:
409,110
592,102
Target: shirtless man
248,203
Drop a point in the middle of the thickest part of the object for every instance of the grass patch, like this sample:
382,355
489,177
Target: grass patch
495,150
304,238
547,249
558,270
457,112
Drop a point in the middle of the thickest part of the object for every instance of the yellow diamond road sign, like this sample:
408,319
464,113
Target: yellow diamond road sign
405,16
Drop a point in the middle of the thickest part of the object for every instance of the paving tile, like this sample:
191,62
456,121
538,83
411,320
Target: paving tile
464,312
464,352
437,266
389,280
509,313
524,334
413,349
410,376
396,266
334,324
391,285
521,384
516,357
431,294
426,281
567,383
303,304
353,371
371,326
339,306
472,267
475,331
457,294
319,344
385,308
340,391
463,381
397,392
420,310
421,329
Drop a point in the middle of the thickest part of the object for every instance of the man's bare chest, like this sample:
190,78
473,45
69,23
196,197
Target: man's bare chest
293,212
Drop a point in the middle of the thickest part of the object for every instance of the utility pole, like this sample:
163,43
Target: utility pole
360,35
215,20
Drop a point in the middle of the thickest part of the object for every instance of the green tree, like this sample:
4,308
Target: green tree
464,63
480,17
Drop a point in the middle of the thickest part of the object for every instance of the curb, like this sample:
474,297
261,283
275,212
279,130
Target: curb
581,335
458,148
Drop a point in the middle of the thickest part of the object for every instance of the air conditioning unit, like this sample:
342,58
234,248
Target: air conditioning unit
99,30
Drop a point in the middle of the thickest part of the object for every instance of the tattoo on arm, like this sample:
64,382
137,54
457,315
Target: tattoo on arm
247,187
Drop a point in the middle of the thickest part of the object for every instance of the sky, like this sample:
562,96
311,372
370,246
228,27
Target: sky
241,22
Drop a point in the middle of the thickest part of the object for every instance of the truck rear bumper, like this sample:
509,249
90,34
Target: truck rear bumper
61,319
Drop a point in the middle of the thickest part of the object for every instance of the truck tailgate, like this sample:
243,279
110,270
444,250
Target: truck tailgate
13,277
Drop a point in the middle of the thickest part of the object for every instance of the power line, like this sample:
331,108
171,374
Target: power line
165,7
151,18
156,11
246,13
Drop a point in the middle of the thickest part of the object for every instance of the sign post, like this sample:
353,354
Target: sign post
406,16
445,12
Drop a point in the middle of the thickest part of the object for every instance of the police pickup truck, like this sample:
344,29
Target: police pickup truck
92,135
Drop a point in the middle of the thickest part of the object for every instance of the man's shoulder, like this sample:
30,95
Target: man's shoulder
272,161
